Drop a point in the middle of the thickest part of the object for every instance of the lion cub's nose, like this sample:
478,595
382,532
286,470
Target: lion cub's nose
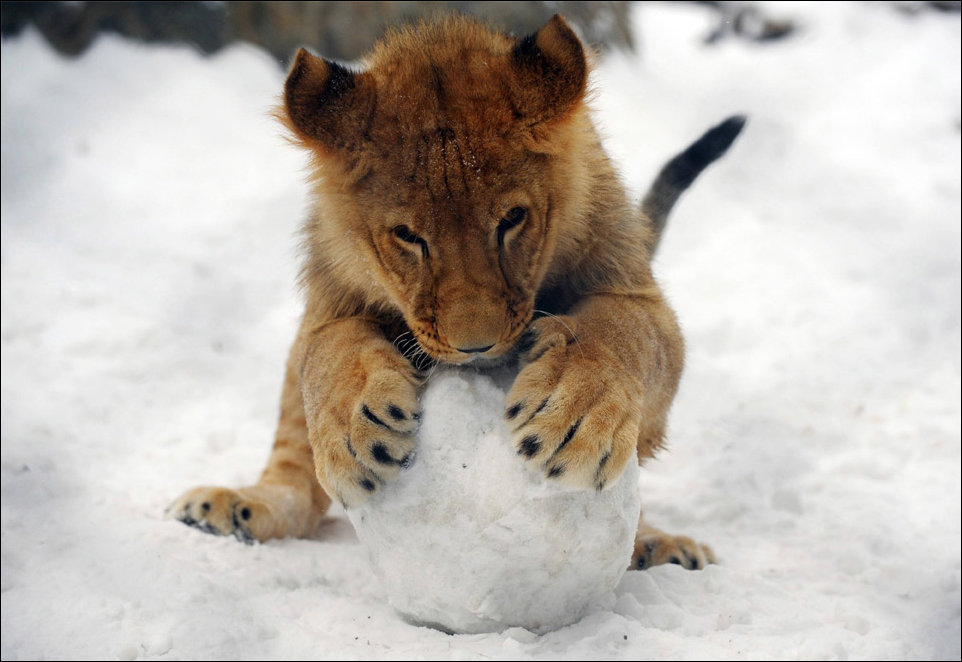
473,350
472,323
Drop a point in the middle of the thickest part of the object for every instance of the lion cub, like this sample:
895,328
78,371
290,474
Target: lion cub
465,211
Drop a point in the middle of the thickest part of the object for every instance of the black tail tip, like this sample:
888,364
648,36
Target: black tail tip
718,139
734,123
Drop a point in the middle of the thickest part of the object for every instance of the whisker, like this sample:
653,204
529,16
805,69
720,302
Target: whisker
419,358
401,339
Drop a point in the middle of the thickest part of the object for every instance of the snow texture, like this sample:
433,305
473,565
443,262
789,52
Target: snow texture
469,540
150,209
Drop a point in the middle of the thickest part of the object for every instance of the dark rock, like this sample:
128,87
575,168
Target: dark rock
745,21
339,30
70,27
346,30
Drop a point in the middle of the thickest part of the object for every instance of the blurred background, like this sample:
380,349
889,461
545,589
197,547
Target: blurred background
345,30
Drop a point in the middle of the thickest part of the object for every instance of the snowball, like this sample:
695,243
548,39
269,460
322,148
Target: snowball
469,540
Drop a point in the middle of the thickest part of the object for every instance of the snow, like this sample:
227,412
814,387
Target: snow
492,544
149,255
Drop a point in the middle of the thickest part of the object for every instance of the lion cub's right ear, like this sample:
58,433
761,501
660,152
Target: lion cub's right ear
326,104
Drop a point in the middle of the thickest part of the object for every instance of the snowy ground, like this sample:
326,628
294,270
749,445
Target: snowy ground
148,258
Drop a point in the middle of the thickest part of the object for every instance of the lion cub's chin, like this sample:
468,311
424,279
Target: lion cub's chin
493,356
483,362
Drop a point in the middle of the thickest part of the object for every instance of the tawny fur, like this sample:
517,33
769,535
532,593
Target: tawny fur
416,248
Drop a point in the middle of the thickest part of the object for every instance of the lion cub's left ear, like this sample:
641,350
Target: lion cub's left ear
325,102
550,73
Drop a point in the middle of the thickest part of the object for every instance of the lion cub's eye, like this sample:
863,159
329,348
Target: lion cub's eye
404,233
513,218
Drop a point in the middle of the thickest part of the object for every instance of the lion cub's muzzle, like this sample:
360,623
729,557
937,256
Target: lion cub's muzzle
477,330
474,343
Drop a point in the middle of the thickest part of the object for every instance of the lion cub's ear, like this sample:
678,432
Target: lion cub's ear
551,72
327,105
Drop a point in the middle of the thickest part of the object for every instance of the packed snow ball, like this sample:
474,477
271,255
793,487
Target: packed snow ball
469,540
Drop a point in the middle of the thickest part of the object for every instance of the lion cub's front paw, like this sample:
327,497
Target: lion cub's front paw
573,413
360,452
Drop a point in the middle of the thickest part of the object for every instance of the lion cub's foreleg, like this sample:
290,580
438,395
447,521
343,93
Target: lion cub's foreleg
594,392
361,405
596,387
287,499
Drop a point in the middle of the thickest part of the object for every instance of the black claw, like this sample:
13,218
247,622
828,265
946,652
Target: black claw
239,531
675,560
543,404
406,461
416,416
380,453
244,536
369,415
604,461
600,484
202,526
530,445
568,435
396,413
513,410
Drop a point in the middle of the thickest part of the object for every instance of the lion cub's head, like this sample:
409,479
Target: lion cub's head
447,168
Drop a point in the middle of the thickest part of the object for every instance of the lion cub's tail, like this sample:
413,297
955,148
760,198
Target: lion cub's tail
681,171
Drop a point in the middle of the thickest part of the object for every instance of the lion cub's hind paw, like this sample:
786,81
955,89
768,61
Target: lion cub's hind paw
660,548
217,510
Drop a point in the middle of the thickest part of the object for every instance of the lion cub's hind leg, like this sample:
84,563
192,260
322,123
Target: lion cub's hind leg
655,547
287,500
